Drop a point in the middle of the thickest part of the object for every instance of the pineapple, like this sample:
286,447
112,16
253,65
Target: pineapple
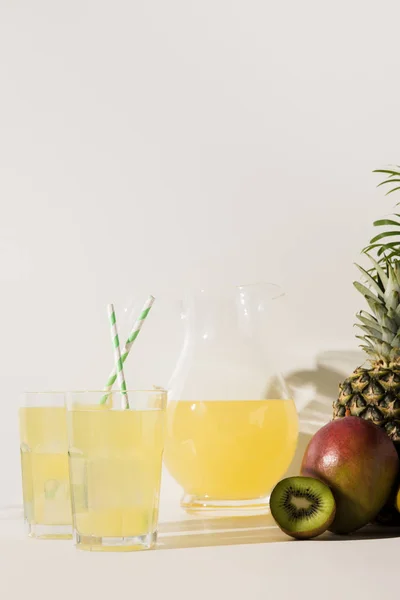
373,392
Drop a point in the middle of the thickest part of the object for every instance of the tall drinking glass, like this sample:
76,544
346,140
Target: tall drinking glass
115,457
44,465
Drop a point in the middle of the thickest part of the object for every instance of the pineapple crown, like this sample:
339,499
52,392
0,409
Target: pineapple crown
381,326
381,339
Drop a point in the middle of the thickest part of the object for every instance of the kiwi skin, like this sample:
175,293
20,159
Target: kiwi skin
305,534
309,535
313,533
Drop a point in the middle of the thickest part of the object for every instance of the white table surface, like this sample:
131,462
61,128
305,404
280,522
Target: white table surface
198,558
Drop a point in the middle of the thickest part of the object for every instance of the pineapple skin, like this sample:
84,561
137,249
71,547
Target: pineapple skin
372,394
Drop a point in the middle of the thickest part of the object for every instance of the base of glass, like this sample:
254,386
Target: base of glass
217,506
48,532
115,544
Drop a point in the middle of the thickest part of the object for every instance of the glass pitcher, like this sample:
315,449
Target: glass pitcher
231,424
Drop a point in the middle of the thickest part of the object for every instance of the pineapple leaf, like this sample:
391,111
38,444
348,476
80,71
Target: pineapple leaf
382,349
394,316
381,273
376,308
386,349
365,291
390,246
384,234
368,339
365,339
391,255
389,172
393,284
387,335
392,300
369,351
382,222
373,246
391,179
366,320
367,316
390,324
396,341
372,282
396,270
371,331
393,190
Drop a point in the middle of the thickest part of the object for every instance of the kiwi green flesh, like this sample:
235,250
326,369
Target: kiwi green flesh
303,507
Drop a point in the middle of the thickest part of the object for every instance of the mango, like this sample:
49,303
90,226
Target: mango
359,462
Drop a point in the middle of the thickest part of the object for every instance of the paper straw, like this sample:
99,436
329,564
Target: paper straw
128,344
117,353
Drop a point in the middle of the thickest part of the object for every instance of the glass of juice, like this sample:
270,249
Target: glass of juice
44,465
232,425
115,458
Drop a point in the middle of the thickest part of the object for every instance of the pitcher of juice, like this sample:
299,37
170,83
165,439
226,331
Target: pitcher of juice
231,424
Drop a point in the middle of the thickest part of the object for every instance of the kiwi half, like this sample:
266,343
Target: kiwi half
303,507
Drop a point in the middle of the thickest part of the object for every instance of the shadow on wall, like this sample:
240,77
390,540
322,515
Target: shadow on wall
315,390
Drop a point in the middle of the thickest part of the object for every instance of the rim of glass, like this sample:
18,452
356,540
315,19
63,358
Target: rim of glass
94,391
279,289
226,287
42,392
128,390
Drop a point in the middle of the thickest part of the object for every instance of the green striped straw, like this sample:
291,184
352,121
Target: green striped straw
128,345
117,353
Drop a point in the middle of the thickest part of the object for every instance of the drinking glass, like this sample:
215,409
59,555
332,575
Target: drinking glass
115,458
44,465
232,425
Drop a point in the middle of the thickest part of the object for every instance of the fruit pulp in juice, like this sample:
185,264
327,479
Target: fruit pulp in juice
115,465
230,450
44,465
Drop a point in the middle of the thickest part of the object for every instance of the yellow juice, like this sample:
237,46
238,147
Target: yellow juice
44,463
115,466
230,450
